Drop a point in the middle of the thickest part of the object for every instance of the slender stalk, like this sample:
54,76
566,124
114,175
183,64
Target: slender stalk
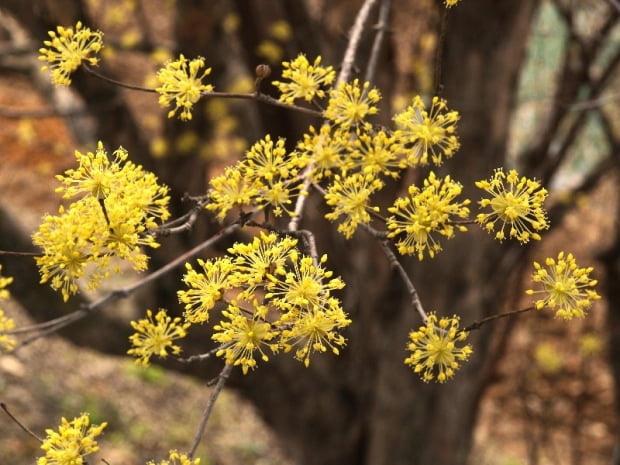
19,423
109,80
479,323
354,41
20,254
293,225
221,381
615,4
413,293
206,355
259,97
382,27
439,51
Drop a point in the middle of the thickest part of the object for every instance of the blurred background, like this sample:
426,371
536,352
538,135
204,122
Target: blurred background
536,83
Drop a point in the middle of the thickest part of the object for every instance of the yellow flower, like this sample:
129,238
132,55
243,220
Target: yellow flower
4,282
231,190
257,261
451,3
315,331
425,212
7,343
324,149
421,132
70,241
516,204
433,348
350,199
303,289
242,335
120,206
67,49
120,181
565,286
306,79
95,176
156,336
373,154
274,174
349,104
175,458
206,287
72,441
277,299
268,161
311,317
181,82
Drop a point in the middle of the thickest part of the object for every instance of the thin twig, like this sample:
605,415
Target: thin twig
310,242
259,97
20,254
439,50
206,355
293,225
222,378
19,423
478,323
187,225
413,293
382,27
109,80
354,41
615,4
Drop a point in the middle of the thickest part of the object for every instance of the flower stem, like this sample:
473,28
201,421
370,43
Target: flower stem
221,380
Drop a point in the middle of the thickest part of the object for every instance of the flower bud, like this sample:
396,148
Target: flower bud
262,71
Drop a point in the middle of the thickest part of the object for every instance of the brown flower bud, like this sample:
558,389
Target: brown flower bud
262,71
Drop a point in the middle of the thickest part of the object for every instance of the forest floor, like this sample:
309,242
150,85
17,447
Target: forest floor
549,402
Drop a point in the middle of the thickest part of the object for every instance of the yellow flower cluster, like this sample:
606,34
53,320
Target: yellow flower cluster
351,103
566,287
266,178
276,299
434,353
516,206
425,212
271,297
349,198
180,81
73,440
155,337
67,49
421,132
306,81
7,343
120,205
325,150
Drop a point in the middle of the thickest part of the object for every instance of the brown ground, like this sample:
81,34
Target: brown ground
529,415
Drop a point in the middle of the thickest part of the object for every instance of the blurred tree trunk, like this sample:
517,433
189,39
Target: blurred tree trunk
366,406
611,260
